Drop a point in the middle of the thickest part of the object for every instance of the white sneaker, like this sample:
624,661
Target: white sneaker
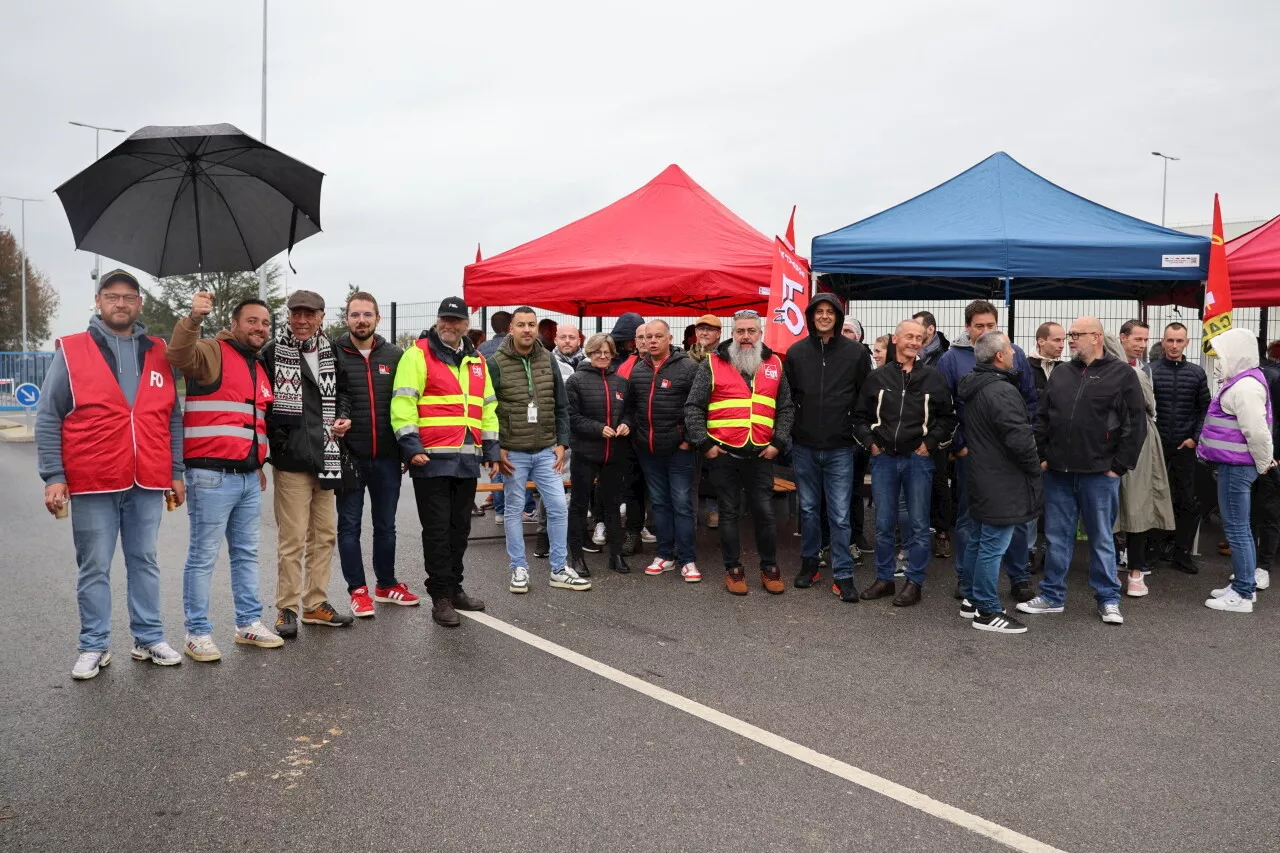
160,653
519,580
200,647
1110,614
566,578
598,536
659,565
1230,601
498,519
690,573
88,664
1039,604
646,536
257,634
1261,578
1221,593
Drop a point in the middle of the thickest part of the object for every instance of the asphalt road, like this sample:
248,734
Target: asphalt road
396,734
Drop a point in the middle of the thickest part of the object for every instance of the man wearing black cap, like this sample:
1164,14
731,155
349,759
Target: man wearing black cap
309,413
109,433
444,414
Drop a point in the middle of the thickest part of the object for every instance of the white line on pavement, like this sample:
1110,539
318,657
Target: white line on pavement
835,767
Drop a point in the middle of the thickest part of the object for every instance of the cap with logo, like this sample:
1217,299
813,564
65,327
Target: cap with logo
453,306
709,320
118,277
307,299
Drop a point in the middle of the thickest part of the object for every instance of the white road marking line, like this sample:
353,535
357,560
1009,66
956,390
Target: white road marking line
835,767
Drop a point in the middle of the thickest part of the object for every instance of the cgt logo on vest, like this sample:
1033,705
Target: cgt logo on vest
157,379
477,371
770,371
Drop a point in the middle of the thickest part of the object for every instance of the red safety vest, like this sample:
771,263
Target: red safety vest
106,446
624,369
737,413
445,412
224,423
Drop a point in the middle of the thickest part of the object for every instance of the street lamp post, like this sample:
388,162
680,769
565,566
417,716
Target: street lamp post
97,134
1164,192
262,271
26,347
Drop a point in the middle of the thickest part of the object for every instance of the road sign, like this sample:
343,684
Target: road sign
27,395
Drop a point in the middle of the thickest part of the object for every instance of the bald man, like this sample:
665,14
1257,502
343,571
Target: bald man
1090,427
568,351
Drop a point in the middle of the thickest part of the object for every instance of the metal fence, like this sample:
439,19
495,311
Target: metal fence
18,368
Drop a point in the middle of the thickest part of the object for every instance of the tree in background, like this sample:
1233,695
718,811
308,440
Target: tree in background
336,315
42,299
170,298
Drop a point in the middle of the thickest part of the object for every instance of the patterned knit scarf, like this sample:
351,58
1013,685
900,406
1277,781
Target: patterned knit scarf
288,391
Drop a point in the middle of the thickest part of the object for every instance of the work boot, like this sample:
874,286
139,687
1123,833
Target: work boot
771,578
809,573
287,624
619,565
910,595
735,580
443,613
462,601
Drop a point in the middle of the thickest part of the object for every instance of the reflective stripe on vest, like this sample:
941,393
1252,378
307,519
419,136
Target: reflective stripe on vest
445,411
106,445
224,424
1222,440
737,413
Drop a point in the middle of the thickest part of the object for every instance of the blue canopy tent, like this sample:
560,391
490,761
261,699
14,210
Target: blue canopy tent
999,229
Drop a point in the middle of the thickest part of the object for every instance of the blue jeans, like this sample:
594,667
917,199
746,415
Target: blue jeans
670,482
1024,535
825,474
1235,496
97,522
500,498
382,477
538,467
891,478
1094,500
980,565
222,506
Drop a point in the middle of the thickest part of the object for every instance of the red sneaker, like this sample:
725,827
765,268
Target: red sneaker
398,594
361,604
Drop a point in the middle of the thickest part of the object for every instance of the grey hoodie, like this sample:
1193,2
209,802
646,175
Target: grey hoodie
56,401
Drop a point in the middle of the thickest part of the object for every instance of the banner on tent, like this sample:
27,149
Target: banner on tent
788,298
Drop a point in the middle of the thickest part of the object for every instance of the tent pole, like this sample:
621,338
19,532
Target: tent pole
1263,342
1008,301
484,319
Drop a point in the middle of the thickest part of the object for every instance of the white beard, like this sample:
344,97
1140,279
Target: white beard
746,359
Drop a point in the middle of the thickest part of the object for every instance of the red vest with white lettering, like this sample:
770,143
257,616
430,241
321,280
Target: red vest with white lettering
737,413
445,411
222,423
106,446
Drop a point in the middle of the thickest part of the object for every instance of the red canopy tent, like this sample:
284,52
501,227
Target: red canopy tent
1253,262
669,245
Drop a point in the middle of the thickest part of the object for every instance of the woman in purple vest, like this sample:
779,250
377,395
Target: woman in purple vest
1237,436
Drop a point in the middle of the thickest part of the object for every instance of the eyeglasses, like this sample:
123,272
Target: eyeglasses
117,298
596,352
360,315
1075,336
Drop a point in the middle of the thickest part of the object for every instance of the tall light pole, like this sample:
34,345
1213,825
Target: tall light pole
1164,193
262,271
23,202
97,152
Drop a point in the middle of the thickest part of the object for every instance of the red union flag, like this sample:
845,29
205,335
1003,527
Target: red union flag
788,298
1216,317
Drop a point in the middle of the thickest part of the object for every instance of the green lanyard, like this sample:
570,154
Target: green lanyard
528,372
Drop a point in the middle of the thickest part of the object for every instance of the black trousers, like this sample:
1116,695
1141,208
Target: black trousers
732,476
1136,546
444,509
1181,465
942,514
609,484
1266,517
634,493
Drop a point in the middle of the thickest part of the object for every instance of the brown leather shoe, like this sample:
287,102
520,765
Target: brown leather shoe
442,613
462,601
879,589
772,580
735,580
910,595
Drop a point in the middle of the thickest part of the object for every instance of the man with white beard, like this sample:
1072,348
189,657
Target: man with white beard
739,415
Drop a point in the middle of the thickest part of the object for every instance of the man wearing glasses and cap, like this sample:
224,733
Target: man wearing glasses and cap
109,435
1089,431
445,417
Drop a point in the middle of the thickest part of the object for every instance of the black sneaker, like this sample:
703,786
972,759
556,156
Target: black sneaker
844,588
967,610
1182,561
1022,591
287,624
542,545
809,574
579,564
591,547
1000,623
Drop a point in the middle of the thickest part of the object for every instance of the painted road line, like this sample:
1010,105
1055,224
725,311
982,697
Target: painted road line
835,767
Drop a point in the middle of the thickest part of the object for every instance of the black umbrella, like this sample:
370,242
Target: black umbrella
175,200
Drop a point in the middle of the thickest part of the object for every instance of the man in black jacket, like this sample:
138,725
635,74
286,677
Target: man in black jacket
1182,399
310,412
1003,482
1089,431
904,415
656,393
369,362
825,372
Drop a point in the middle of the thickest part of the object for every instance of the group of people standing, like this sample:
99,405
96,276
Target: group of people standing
1098,441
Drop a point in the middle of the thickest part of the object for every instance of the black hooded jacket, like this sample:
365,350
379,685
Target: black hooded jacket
1004,467
825,380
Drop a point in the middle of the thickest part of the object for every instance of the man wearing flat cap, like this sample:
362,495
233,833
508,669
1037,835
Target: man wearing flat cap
707,337
445,417
309,412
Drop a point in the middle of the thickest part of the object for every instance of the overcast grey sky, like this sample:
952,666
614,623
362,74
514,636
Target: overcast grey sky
440,125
